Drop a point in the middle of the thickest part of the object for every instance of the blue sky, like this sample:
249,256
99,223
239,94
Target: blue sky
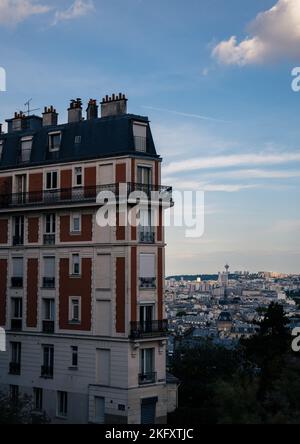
215,80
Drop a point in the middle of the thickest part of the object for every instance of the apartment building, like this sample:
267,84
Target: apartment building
82,304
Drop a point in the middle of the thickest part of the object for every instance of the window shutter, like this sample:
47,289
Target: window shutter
147,266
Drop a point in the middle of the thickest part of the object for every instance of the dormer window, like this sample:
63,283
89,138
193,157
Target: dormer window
140,136
1,148
54,141
26,146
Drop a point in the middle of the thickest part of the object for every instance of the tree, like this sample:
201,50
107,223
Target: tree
19,411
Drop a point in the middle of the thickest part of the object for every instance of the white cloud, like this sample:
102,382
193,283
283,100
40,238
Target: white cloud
274,34
15,11
230,161
78,9
287,226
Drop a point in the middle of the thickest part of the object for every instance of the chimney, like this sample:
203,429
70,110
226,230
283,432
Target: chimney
18,123
75,111
50,116
114,106
92,110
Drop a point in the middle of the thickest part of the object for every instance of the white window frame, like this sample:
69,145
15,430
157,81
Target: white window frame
51,302
59,413
50,135
73,299
72,228
24,140
57,180
75,175
73,264
52,222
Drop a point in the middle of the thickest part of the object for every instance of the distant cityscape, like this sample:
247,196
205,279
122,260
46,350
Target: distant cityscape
226,307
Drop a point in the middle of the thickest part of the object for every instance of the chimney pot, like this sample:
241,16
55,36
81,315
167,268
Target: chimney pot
114,105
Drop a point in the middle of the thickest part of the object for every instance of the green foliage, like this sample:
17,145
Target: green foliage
19,411
257,383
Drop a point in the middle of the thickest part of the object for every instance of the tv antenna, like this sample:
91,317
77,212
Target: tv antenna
28,110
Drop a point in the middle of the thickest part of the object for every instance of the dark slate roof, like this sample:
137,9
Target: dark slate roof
102,137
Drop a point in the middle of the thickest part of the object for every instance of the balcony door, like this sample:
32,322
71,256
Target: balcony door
144,175
147,363
21,188
18,235
146,317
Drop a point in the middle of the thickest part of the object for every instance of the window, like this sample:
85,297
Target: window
1,148
26,145
75,309
49,272
49,310
17,272
146,317
74,356
146,230
77,140
38,399
48,361
50,224
147,271
14,393
76,223
144,175
15,362
54,141
17,308
62,404
75,264
78,177
16,352
18,235
140,136
51,180
147,375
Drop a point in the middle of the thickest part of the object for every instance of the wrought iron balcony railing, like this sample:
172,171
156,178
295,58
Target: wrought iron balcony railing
14,368
16,324
147,237
18,240
67,196
49,239
17,282
148,283
147,378
46,372
48,327
146,329
48,282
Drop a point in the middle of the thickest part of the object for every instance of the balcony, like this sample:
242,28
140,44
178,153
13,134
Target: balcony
16,324
148,283
49,239
46,372
14,368
17,282
18,240
147,237
147,378
71,196
48,327
49,283
148,329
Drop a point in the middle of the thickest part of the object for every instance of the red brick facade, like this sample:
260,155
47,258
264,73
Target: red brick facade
77,287
86,234
3,231
32,292
33,229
